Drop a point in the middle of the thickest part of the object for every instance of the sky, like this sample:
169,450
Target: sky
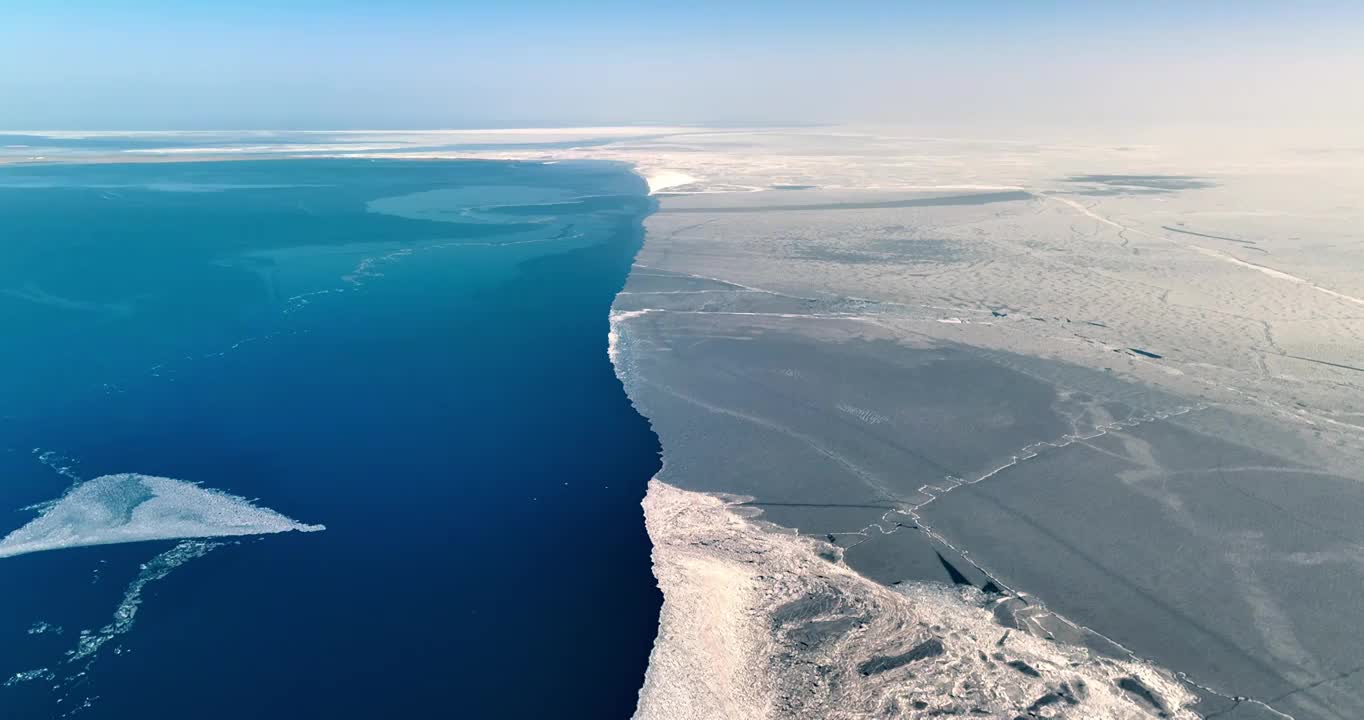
310,64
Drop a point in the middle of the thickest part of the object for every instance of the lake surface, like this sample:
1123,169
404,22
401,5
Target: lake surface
412,354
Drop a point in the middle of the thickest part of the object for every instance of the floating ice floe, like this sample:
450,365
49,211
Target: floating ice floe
130,507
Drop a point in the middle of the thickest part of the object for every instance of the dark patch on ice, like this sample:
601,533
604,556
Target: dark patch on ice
1045,700
1206,235
807,608
1321,362
971,199
819,632
924,650
1062,693
1105,191
1139,184
1146,353
1024,668
1134,687
953,572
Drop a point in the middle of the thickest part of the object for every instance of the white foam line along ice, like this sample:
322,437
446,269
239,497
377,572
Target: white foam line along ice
613,335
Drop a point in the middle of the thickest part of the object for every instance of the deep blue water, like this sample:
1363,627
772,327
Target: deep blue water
446,408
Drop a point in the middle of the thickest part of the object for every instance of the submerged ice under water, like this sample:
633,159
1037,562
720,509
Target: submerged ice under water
129,507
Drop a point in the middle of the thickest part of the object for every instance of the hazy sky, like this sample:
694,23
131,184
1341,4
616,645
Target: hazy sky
408,64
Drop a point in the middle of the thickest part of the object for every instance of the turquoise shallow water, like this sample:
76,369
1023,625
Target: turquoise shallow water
410,353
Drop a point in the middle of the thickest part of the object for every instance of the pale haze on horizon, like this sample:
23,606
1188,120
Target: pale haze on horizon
983,66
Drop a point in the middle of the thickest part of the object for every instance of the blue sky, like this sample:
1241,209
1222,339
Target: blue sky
405,64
